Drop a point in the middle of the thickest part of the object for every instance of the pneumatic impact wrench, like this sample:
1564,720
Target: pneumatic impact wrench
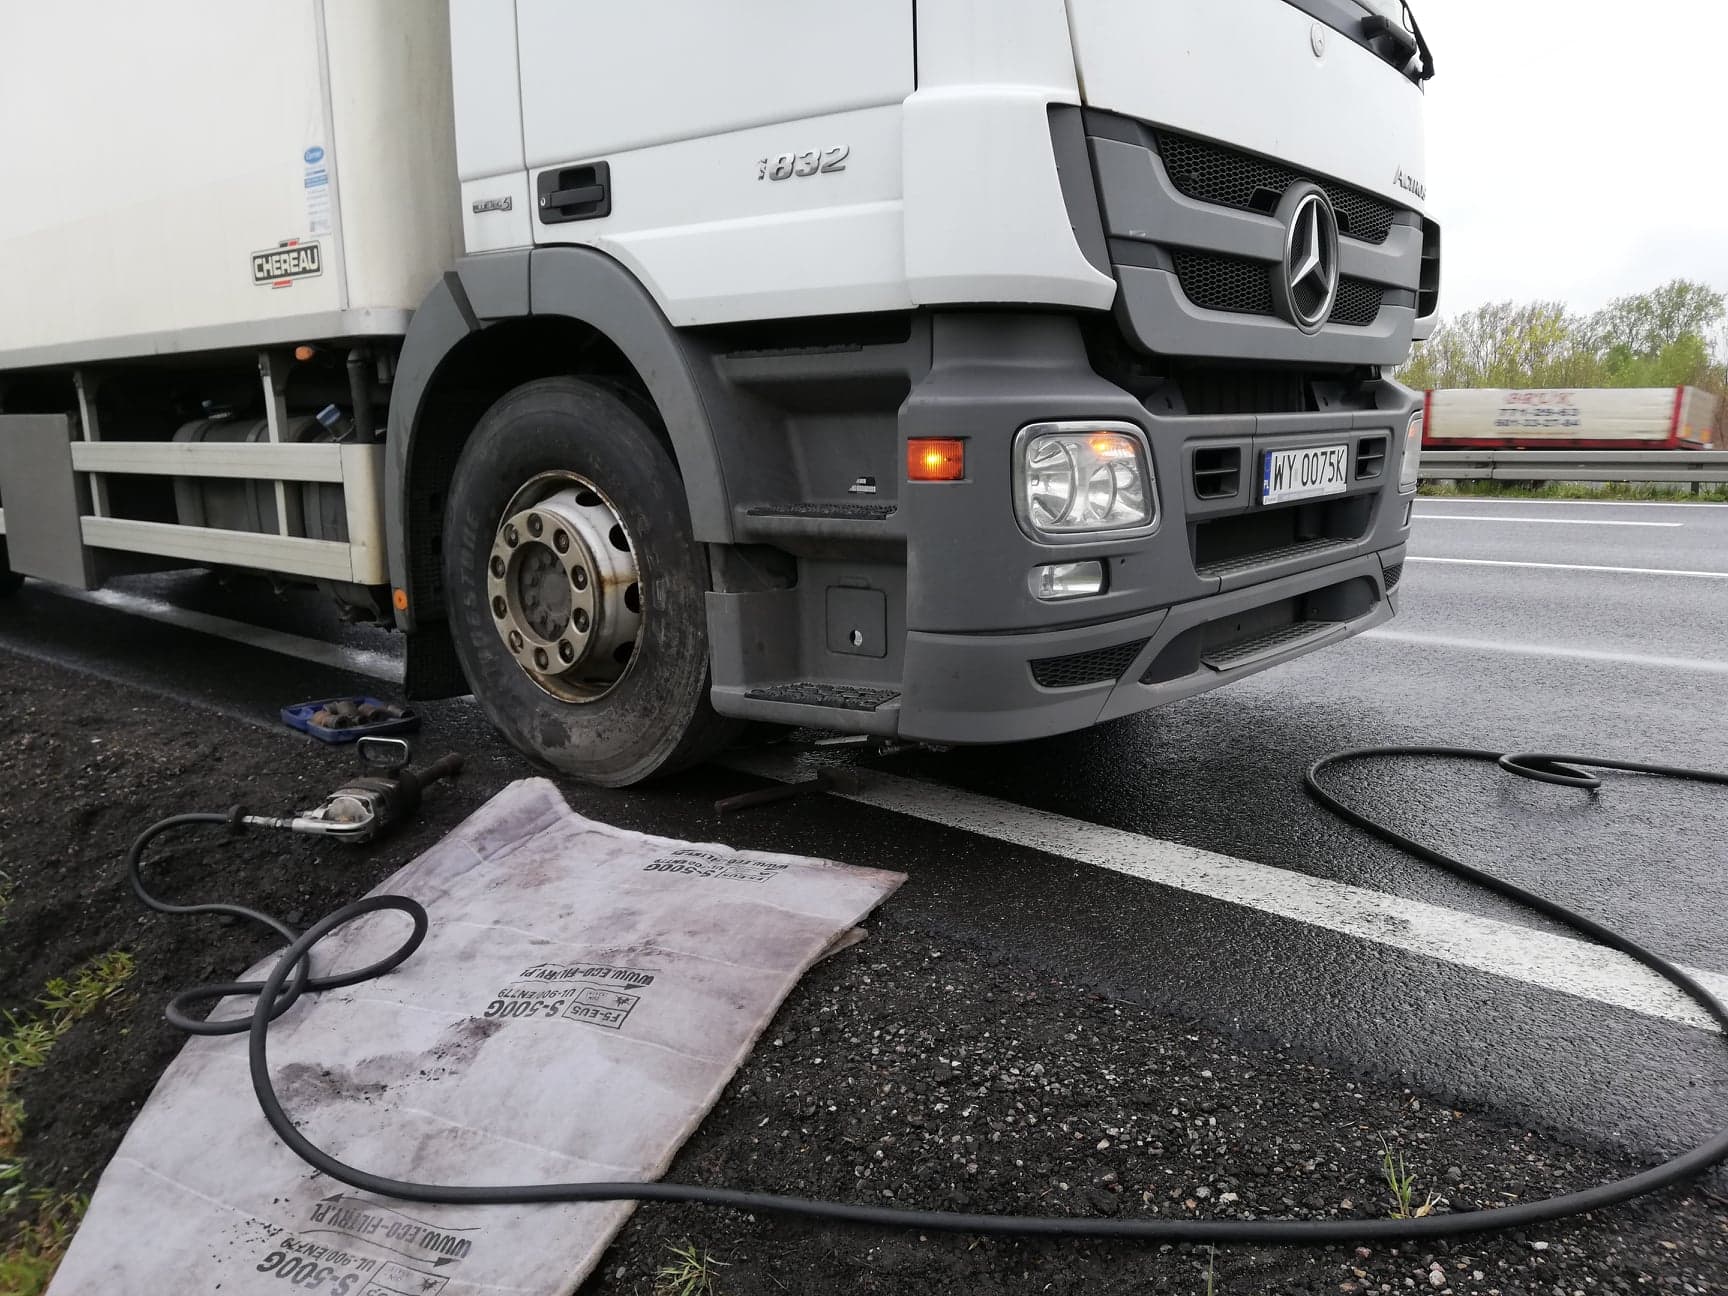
386,792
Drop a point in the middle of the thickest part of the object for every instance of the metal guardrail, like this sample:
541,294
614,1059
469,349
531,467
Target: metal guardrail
1696,466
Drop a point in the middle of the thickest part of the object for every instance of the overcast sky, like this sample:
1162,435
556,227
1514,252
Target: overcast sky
1575,147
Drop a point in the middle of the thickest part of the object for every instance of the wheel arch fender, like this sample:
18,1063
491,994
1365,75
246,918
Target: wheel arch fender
539,287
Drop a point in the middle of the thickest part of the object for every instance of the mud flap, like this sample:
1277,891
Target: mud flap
43,501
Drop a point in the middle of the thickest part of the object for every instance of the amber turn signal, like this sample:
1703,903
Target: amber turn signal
935,459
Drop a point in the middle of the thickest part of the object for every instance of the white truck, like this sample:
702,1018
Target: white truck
964,371
1571,418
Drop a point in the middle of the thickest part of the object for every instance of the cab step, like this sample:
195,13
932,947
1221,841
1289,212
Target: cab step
845,697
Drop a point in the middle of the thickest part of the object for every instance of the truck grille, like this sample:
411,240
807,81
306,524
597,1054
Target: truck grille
1242,286
1428,290
1227,178
1357,303
1099,666
1214,281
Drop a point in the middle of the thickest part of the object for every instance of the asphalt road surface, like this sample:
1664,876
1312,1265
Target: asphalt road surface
1173,860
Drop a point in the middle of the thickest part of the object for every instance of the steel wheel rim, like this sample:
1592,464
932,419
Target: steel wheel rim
563,588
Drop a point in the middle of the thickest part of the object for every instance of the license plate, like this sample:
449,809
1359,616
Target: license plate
1304,474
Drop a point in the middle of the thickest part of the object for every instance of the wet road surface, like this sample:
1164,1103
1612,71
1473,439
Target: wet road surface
1173,859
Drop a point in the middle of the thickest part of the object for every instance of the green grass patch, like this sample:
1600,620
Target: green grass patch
1401,1187
31,1257
690,1272
1662,491
39,1227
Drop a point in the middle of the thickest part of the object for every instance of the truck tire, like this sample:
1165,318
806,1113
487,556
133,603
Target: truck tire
575,589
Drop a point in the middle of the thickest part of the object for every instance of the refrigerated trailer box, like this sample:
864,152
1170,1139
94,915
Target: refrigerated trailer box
189,176
965,371
191,179
1571,418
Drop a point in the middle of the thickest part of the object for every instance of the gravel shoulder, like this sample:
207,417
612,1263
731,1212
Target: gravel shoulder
909,1070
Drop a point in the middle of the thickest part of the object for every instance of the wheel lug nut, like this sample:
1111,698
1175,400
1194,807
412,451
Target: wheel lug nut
579,577
566,652
535,525
499,608
515,641
540,658
511,535
560,542
580,620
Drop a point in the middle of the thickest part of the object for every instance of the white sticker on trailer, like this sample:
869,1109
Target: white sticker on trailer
316,181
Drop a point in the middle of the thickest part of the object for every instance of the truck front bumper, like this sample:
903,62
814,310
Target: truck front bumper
990,688
920,615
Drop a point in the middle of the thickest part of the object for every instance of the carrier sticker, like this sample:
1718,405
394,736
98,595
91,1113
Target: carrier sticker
280,266
315,179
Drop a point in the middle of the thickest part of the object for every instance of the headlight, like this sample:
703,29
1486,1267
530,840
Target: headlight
1410,465
1075,478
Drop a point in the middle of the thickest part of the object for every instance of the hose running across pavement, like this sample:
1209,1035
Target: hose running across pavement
291,977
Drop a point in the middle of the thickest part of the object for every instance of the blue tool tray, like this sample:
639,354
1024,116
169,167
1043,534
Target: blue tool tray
300,716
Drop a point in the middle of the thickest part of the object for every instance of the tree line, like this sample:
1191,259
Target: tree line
1666,337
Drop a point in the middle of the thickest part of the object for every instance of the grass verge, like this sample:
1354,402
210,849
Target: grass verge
33,1254
34,1227
1634,491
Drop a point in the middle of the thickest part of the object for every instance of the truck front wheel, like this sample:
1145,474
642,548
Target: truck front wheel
575,589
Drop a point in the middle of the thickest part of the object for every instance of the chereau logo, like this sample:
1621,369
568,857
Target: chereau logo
280,266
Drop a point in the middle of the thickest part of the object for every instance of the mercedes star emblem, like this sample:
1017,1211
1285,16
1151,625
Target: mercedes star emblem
1305,281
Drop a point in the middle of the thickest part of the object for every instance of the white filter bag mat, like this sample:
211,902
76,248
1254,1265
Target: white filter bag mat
583,996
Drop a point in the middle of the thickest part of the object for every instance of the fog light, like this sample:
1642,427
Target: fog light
1068,580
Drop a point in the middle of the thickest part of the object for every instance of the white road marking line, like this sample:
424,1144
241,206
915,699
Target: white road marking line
1703,665
356,661
1504,501
1503,949
1582,567
1539,521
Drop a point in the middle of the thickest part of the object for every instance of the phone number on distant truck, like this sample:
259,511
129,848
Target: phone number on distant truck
1539,417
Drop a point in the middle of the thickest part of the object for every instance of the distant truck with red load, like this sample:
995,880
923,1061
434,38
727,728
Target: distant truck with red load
1577,418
